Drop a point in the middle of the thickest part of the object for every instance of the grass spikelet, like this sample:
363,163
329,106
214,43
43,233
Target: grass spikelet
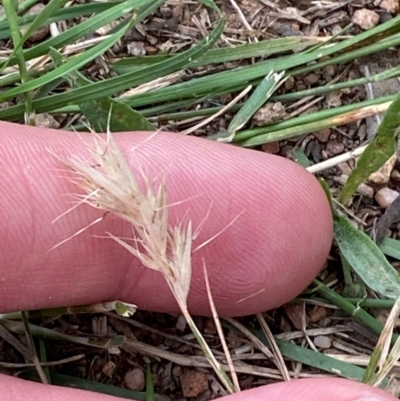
110,185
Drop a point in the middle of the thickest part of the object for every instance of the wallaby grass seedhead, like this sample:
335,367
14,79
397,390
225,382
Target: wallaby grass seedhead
110,185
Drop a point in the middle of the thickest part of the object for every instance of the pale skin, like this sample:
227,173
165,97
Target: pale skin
270,254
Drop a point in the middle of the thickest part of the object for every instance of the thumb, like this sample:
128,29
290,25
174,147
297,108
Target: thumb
296,390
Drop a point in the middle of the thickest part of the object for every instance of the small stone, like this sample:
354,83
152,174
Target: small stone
287,30
334,99
136,49
323,135
108,368
336,29
289,83
382,176
269,114
386,196
317,313
325,322
323,342
330,71
365,19
5,105
193,383
272,147
384,16
334,148
134,379
45,120
295,314
151,50
392,6
166,12
396,175
311,79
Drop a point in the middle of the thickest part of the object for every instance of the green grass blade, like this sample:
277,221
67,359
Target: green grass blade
366,259
123,82
222,82
105,113
391,247
25,5
69,66
318,360
43,358
32,348
82,30
377,153
306,124
83,384
43,332
149,385
261,94
41,19
347,307
16,38
320,90
311,358
61,15
300,157
222,55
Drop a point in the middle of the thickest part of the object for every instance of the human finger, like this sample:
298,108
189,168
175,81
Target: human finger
279,239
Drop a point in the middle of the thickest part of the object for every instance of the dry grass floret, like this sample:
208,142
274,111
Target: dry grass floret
110,185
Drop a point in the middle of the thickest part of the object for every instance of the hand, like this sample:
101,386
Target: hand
265,258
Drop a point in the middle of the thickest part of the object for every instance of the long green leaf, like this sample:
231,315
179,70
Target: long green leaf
40,20
105,113
102,388
69,66
16,38
311,358
81,30
366,258
221,55
377,153
149,385
123,82
306,124
391,247
61,15
261,94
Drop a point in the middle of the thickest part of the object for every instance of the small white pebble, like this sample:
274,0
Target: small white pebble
134,379
382,176
386,196
365,19
392,6
323,342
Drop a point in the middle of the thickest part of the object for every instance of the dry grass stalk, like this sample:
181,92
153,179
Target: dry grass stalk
388,358
280,363
110,185
220,332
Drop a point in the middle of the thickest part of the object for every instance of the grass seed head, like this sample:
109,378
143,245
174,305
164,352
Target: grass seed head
110,185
